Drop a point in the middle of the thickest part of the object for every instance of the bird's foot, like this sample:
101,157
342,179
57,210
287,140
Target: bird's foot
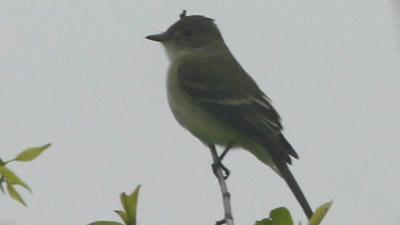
225,171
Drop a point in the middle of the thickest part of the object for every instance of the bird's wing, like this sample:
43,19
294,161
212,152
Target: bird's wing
231,95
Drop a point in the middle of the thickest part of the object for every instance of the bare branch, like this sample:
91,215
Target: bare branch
226,197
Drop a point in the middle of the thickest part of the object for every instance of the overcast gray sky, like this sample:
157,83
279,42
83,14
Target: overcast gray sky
81,75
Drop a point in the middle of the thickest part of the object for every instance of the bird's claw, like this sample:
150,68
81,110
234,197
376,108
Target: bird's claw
225,171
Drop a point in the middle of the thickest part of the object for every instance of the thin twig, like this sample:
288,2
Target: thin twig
226,197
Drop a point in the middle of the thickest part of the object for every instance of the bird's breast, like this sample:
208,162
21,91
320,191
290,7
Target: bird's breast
193,117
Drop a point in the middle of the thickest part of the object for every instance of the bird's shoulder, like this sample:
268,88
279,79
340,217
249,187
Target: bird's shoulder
216,74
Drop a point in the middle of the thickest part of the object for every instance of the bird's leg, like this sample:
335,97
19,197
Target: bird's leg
226,150
218,161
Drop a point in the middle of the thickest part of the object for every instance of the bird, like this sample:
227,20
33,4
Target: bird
216,100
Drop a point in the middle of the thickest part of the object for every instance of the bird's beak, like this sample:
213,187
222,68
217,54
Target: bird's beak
158,37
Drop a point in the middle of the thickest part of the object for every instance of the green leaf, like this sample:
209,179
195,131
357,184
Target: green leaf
11,178
1,184
129,202
320,213
31,153
278,216
281,216
264,222
14,194
105,223
134,197
2,188
123,216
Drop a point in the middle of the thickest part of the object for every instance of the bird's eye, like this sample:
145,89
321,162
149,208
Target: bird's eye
187,33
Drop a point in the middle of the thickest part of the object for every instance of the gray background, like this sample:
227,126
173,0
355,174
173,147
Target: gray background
81,75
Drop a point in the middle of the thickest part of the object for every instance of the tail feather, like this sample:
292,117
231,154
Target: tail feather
294,187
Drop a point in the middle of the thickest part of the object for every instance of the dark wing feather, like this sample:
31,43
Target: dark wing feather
238,101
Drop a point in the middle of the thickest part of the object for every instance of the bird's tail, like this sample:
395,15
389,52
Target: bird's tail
294,187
